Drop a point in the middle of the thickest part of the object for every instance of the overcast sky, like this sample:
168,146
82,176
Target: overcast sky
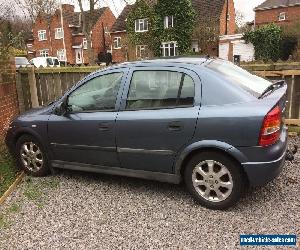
244,6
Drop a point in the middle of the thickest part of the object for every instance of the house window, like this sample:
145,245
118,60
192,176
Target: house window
61,55
169,49
169,22
117,43
59,33
84,43
282,16
44,52
42,35
141,25
29,45
141,51
228,17
106,29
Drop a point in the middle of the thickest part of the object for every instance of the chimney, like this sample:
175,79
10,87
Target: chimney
68,7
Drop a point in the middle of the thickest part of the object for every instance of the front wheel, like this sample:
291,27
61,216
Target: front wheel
31,156
214,180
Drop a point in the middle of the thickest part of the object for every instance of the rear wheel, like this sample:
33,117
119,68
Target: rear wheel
214,180
31,156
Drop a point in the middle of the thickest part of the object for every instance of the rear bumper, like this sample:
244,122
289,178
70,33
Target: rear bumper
260,173
265,163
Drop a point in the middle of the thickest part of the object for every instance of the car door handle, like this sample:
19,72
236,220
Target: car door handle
175,126
103,126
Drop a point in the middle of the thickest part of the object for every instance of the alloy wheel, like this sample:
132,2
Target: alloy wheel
212,181
31,156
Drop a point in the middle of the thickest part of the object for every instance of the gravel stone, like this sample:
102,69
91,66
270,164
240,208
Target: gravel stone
75,210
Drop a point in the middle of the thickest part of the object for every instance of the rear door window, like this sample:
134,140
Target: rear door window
160,89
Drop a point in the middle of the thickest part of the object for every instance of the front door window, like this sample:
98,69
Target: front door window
99,94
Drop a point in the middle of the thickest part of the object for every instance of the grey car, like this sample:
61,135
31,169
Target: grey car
204,121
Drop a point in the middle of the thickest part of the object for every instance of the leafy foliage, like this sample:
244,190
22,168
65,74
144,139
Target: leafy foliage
142,10
184,18
267,42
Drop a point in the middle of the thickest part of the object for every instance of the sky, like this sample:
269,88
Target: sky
244,6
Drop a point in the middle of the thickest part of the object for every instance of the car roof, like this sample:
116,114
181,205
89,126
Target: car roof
176,61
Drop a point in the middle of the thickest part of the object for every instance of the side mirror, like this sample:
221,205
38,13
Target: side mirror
62,108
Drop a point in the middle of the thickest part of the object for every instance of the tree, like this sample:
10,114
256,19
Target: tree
33,8
266,41
87,24
206,33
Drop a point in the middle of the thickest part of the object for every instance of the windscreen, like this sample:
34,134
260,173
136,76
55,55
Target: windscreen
253,84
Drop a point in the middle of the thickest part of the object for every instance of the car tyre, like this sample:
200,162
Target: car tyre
214,180
31,156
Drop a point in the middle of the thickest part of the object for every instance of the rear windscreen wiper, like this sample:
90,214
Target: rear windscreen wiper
273,86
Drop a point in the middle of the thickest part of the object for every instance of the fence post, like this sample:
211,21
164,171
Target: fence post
20,92
292,92
33,88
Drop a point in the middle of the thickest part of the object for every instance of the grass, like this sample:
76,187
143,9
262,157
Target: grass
8,171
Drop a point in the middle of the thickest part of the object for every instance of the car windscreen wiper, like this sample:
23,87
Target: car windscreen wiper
272,87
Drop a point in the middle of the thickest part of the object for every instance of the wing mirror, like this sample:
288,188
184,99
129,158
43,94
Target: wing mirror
62,108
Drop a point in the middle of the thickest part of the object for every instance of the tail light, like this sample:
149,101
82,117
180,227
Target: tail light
270,131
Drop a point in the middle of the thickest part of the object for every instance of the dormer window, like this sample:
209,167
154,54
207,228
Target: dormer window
141,25
282,16
169,22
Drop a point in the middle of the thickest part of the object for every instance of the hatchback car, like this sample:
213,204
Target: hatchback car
205,121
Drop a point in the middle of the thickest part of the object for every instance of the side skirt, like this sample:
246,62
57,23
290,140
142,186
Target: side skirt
155,176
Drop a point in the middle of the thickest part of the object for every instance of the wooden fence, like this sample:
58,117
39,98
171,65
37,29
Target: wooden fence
40,86
37,87
290,72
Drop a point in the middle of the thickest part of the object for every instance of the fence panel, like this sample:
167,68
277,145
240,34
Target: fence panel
50,83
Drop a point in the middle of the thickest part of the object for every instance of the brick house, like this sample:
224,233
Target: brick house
61,35
281,12
222,11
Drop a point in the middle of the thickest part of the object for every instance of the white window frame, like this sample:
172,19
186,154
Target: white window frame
139,49
84,43
42,35
44,52
59,33
61,55
141,22
167,45
282,16
118,40
166,22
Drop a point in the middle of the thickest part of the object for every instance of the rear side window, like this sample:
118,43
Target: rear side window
160,89
253,84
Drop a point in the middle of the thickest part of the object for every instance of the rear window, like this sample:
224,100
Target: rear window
253,84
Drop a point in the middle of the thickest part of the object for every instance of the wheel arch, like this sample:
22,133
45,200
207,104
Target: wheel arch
208,146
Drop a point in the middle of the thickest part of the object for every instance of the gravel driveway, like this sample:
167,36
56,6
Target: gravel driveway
75,210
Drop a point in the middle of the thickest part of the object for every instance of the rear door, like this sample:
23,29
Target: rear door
157,118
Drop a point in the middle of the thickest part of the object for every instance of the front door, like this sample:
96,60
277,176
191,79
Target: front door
79,56
87,134
157,117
